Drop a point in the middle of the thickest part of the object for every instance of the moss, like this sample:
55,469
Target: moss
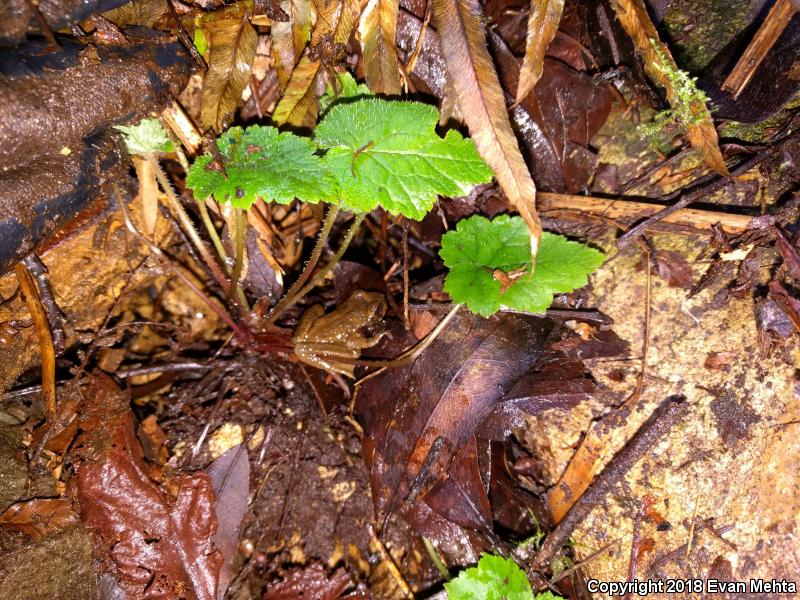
698,29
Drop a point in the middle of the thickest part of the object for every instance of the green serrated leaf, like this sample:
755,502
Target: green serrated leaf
495,578
479,247
548,595
349,90
262,163
146,137
387,153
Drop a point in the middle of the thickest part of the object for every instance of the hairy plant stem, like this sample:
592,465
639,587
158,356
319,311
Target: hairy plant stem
238,245
324,233
212,231
240,333
298,289
186,223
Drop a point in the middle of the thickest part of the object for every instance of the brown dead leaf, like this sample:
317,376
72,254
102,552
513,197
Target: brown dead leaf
311,582
154,441
483,105
543,21
289,38
40,517
377,28
658,61
335,23
417,417
232,45
159,549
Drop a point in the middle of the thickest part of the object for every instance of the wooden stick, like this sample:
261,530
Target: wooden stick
30,292
777,19
618,209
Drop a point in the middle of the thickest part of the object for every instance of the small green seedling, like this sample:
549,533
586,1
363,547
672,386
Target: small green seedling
147,137
495,578
489,265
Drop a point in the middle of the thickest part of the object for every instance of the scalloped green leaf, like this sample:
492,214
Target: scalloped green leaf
495,578
145,138
261,162
387,153
479,248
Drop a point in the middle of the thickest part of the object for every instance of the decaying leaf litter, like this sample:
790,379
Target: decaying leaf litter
261,395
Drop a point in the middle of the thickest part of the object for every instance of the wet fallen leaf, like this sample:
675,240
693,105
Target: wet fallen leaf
790,254
377,29
418,417
311,582
230,477
789,304
674,269
40,517
461,496
483,105
159,548
232,45
335,23
543,21
658,62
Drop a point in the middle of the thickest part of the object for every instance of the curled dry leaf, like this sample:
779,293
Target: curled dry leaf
543,21
232,45
419,416
483,105
40,517
289,38
658,63
335,23
377,28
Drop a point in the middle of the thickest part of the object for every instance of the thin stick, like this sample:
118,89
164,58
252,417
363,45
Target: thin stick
238,245
31,294
621,208
665,416
585,561
290,298
288,302
777,19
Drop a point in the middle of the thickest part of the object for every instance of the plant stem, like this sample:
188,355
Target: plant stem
212,231
238,245
187,224
291,299
324,233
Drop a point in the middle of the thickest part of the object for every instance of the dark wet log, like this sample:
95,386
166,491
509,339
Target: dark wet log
17,17
56,110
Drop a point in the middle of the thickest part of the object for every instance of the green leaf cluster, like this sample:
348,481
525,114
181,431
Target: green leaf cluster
145,138
495,578
481,253
366,152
